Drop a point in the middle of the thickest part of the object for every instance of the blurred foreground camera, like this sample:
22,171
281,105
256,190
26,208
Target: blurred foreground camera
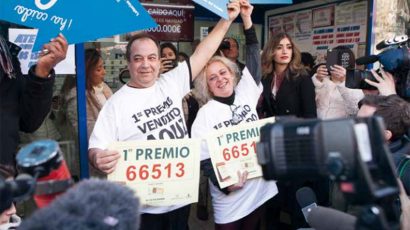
352,152
45,175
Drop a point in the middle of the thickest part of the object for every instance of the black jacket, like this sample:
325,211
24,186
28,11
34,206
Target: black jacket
24,103
296,96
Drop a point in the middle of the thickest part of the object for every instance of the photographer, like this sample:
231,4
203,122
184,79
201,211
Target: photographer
333,99
169,55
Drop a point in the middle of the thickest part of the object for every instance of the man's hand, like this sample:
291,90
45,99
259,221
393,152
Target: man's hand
243,177
385,83
53,52
338,73
104,160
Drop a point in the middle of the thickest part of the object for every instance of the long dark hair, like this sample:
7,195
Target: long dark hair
268,64
169,45
92,56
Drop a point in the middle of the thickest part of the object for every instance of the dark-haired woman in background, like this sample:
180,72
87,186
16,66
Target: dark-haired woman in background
169,56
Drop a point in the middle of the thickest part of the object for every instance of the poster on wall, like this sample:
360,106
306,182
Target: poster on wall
303,25
25,38
175,23
323,16
315,30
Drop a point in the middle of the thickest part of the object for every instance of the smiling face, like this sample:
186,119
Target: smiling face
220,79
144,63
283,52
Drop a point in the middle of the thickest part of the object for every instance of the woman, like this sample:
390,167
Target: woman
97,91
169,56
287,87
238,206
333,99
287,90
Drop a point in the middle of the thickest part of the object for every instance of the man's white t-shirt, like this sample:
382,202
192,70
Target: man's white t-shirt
216,115
145,114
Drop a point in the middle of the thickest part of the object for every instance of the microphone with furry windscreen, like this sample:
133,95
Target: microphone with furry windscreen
91,204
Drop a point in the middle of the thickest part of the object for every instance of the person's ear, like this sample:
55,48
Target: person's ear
388,135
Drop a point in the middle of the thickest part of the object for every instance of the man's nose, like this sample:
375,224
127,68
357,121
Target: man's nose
145,62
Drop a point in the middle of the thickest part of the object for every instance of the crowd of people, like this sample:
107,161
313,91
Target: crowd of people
210,90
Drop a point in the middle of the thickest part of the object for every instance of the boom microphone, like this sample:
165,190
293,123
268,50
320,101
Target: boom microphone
306,199
396,40
367,60
91,204
321,218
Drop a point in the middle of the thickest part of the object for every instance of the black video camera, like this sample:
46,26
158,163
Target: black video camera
395,60
356,154
352,152
225,45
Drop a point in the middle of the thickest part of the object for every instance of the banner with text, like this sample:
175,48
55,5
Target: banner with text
234,149
25,38
161,172
175,23
79,21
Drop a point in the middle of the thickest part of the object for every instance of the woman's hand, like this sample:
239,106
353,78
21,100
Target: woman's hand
321,73
243,177
166,65
233,9
338,73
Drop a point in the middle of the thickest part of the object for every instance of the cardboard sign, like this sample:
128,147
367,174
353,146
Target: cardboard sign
161,172
219,6
78,21
233,149
216,6
25,38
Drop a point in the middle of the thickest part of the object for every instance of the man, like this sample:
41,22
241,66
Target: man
395,112
150,107
230,49
25,100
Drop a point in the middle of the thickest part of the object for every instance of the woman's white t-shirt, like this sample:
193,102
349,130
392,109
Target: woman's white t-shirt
216,115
